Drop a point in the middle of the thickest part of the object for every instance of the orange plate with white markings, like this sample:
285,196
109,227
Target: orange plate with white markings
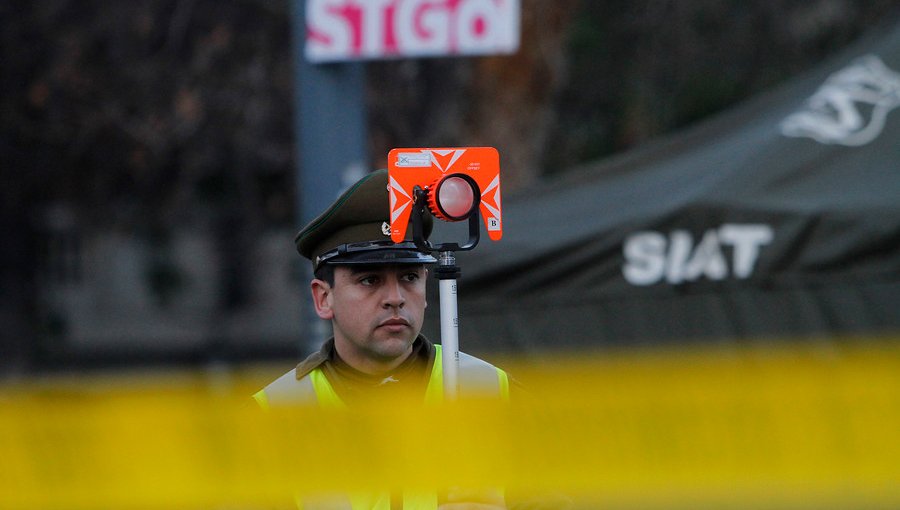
408,168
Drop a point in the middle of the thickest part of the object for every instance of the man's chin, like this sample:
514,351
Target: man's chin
394,347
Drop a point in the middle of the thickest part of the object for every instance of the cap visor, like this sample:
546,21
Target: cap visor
384,256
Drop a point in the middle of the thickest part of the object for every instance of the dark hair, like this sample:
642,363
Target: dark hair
326,274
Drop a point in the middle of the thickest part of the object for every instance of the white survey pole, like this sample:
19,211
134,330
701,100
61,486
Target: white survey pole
449,329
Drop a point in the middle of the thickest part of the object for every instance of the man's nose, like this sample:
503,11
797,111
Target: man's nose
393,294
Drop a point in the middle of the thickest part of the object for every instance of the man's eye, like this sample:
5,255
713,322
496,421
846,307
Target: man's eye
368,280
411,277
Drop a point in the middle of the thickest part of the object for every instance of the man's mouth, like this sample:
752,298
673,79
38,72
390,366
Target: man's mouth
394,322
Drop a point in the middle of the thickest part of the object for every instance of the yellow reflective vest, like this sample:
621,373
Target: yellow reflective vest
476,378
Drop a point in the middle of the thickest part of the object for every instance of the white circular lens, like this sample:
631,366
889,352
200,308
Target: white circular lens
455,197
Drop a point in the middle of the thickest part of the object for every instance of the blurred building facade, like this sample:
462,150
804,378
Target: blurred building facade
104,297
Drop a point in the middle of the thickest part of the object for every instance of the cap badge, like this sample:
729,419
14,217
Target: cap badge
386,228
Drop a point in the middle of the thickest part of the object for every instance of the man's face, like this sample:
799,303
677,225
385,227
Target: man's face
377,312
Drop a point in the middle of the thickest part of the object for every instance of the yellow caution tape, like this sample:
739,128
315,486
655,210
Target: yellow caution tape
807,426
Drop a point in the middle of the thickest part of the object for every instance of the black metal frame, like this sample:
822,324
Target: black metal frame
420,209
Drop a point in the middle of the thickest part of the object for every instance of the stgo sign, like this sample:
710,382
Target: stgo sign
338,30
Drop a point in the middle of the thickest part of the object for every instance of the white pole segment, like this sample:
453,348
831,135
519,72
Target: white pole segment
449,338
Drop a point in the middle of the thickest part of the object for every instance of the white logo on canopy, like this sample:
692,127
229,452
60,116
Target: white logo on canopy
851,107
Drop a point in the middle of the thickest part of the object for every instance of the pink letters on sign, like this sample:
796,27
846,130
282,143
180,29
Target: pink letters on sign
368,29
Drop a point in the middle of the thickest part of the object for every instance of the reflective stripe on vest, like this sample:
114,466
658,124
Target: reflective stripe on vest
477,378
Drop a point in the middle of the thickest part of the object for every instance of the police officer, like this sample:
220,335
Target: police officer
373,293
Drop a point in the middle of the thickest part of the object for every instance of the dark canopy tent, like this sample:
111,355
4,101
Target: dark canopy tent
778,219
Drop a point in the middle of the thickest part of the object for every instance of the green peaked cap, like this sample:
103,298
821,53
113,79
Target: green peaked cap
355,229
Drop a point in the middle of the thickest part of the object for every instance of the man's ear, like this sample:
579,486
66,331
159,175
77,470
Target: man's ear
321,295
